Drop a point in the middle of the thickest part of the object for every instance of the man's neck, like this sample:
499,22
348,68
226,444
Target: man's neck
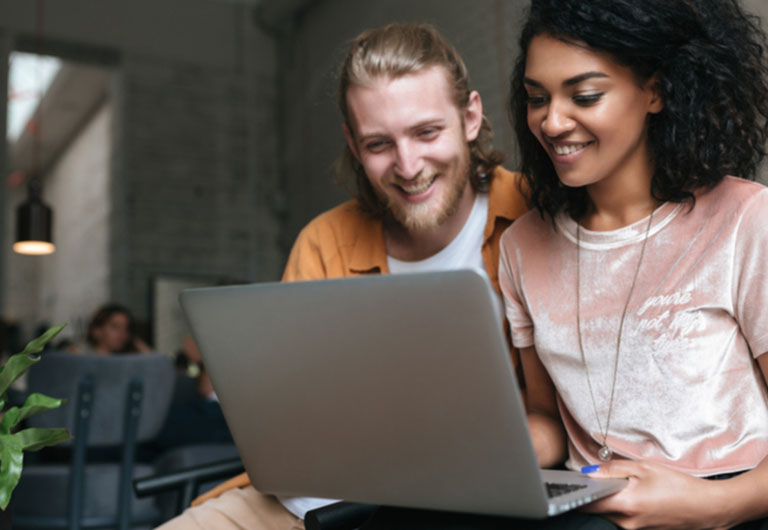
408,245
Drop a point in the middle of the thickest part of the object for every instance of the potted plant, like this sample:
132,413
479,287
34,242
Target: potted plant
13,442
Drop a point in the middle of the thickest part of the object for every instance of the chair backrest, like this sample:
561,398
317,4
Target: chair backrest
58,375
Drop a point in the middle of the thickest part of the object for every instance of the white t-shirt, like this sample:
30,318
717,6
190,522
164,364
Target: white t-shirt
464,252
461,253
688,392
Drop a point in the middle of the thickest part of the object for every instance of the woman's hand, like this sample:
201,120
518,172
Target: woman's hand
658,497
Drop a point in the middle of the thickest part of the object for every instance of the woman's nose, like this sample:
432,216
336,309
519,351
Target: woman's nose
556,121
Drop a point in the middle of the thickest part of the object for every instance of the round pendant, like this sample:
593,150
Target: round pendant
605,453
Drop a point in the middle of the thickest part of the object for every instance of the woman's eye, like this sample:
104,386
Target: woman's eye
535,101
428,133
587,99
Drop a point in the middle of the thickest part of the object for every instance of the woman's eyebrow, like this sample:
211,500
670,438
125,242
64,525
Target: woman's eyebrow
575,80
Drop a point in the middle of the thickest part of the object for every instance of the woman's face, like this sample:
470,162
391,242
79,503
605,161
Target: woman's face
113,336
588,112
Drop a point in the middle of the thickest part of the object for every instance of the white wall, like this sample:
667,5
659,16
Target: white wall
75,280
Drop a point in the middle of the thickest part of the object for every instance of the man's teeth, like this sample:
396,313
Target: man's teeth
418,187
568,149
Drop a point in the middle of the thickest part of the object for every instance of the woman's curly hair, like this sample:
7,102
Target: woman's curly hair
709,56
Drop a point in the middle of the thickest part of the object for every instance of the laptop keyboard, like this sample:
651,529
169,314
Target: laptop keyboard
556,489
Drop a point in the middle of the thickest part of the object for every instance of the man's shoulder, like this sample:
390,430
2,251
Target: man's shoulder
338,242
507,199
506,178
347,218
341,227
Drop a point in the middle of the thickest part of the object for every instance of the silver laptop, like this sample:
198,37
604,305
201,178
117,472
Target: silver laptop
394,390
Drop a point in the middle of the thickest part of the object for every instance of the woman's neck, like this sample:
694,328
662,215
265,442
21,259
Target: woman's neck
619,202
615,217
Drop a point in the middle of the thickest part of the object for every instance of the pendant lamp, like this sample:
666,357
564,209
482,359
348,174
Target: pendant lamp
33,217
33,224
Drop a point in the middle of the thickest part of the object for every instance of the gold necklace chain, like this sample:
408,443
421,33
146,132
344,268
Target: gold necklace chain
605,453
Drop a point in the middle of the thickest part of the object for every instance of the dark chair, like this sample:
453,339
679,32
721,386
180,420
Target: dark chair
195,434
113,403
340,516
183,484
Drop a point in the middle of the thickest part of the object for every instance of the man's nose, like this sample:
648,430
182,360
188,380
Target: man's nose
408,163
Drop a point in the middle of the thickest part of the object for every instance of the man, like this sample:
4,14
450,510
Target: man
430,195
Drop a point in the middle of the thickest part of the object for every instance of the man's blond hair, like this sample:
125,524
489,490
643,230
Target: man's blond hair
394,51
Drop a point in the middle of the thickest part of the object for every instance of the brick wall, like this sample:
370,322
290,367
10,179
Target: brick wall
187,199
194,171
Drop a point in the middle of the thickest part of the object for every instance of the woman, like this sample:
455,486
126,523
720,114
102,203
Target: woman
112,330
636,289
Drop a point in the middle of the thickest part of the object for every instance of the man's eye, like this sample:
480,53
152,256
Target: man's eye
375,146
587,99
429,133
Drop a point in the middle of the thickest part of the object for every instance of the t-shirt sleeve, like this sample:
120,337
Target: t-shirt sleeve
751,273
520,323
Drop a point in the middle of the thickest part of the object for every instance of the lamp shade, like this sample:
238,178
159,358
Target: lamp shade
33,228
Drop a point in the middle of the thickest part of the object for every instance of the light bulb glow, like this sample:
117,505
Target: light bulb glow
34,248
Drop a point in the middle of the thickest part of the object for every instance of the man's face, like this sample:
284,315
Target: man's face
411,140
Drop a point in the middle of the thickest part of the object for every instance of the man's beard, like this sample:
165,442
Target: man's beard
428,215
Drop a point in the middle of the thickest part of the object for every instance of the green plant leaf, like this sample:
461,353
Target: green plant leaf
37,345
34,404
11,463
16,365
34,439
11,418
13,445
20,363
37,403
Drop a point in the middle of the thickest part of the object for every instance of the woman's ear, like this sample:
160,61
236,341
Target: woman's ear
656,102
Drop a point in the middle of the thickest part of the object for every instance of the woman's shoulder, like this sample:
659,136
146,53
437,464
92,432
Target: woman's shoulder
732,194
531,228
735,187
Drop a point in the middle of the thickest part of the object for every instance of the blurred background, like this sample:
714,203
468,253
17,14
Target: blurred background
186,142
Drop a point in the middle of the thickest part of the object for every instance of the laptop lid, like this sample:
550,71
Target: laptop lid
394,389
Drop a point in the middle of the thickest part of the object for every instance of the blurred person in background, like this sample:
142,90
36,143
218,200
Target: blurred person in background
111,329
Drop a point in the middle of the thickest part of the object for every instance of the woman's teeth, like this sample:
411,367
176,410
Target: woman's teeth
568,149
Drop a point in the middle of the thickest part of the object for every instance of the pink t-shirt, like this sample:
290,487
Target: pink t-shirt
689,393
